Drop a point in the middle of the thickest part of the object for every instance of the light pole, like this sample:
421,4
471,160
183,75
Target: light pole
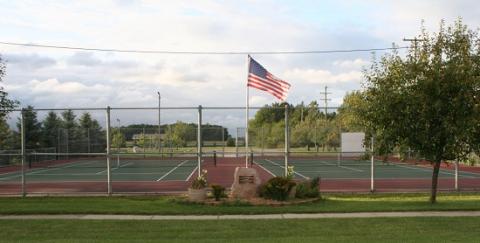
159,127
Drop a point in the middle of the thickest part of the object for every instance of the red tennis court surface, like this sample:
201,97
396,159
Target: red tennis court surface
222,173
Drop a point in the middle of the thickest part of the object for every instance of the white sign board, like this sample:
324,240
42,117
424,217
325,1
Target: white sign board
352,143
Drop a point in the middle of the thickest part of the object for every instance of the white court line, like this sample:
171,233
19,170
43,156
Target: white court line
345,167
341,166
191,174
174,168
271,173
116,168
430,170
459,171
71,164
305,177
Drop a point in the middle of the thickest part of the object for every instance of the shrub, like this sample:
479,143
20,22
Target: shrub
201,181
218,192
308,189
277,188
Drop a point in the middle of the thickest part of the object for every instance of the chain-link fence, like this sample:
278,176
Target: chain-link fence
151,150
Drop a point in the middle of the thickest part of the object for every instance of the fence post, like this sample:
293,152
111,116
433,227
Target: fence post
372,168
109,176
223,141
199,139
287,149
236,144
340,152
263,141
88,133
22,132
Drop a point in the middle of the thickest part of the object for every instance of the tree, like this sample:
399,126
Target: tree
50,128
430,99
90,132
7,137
6,104
32,128
348,117
68,133
118,139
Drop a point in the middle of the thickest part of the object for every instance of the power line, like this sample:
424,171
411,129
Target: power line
200,52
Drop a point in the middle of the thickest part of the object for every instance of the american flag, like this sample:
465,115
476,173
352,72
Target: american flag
260,78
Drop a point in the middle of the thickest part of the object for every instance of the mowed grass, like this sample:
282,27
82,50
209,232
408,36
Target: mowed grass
438,229
165,205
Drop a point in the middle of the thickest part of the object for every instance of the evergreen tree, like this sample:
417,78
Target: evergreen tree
33,130
50,129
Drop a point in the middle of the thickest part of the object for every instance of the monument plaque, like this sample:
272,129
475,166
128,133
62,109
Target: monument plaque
245,183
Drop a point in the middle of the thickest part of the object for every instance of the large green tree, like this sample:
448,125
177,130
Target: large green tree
6,104
50,128
429,99
32,128
90,133
7,136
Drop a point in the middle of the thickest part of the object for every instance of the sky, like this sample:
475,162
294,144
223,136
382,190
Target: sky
52,78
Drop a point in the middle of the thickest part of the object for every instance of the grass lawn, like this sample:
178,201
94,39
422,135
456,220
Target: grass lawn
173,205
426,229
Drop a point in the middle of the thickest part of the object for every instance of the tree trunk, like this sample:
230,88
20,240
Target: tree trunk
436,169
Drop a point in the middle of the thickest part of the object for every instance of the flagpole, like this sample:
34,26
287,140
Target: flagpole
246,115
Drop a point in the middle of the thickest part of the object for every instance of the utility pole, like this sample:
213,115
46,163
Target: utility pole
415,41
325,99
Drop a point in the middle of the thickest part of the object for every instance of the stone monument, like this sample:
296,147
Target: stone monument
245,183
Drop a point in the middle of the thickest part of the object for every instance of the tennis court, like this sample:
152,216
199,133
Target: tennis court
354,175
89,175
356,169
121,170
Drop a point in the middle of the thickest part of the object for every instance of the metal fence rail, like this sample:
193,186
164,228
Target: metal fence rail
116,159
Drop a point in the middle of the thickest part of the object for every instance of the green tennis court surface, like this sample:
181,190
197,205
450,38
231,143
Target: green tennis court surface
358,169
96,170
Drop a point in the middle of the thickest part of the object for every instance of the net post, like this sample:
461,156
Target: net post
372,168
456,176
286,140
199,139
215,158
109,176
23,151
251,158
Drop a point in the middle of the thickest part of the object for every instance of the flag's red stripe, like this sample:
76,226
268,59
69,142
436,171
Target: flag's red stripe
266,86
270,82
267,90
281,82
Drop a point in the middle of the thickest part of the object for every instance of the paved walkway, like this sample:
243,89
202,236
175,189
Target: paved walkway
256,216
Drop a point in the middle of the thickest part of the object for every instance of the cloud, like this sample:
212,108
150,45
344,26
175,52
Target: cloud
83,59
69,79
319,76
29,61
357,63
89,59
